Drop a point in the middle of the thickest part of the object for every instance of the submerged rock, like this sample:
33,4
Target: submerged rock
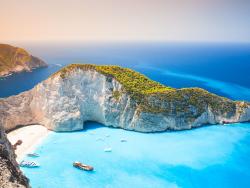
14,59
117,97
10,174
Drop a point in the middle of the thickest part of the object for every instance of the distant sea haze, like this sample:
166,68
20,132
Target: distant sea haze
219,68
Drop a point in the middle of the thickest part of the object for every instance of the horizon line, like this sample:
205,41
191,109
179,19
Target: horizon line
126,41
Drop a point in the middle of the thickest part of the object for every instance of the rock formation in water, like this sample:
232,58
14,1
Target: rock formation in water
10,174
14,59
117,97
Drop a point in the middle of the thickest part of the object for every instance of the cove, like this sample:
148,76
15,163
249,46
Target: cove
214,156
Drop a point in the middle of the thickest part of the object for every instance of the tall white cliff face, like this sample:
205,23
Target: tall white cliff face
64,104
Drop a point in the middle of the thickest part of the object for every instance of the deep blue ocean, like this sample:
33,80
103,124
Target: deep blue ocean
214,156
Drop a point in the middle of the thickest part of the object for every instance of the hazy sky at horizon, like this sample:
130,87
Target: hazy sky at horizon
115,20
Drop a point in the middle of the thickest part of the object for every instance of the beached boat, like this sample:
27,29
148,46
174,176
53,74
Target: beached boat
83,166
33,155
29,164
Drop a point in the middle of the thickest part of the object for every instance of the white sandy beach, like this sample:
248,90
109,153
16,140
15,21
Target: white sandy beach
30,135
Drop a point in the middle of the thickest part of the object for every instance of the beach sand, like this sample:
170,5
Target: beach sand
30,135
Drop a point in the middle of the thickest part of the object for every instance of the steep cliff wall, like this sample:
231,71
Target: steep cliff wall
80,93
14,59
10,174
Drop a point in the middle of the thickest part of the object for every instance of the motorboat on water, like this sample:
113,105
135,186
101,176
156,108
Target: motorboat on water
123,140
83,166
29,164
99,139
32,155
107,149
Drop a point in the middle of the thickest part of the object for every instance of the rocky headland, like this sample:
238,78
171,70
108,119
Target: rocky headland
10,174
117,97
14,59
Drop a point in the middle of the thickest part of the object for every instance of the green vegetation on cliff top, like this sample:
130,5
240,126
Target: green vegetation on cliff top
151,96
131,80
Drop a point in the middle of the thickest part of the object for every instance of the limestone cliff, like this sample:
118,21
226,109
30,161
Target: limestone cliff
10,174
117,97
14,59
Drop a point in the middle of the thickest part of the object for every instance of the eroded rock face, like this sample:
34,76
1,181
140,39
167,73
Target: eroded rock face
65,103
10,174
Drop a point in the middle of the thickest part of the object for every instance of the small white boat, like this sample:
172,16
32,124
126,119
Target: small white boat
107,149
57,64
99,139
33,155
123,140
29,164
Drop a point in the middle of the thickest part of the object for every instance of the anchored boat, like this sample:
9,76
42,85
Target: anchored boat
29,164
123,140
83,166
33,155
107,149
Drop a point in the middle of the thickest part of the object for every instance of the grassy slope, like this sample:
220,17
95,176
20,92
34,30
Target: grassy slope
151,96
11,56
132,81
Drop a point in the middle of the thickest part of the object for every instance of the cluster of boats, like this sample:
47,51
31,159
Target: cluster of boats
32,164
79,165
109,149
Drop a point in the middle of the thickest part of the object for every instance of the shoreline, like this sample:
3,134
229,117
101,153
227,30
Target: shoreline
31,137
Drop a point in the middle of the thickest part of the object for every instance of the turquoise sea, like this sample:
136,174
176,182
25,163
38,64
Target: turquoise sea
212,156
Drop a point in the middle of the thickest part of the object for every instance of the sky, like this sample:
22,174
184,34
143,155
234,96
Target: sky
125,20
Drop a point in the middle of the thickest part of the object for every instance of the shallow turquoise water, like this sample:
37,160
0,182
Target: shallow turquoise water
215,156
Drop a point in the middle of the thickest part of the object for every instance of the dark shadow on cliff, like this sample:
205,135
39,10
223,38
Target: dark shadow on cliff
90,125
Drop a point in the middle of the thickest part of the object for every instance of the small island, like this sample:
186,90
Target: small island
15,59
